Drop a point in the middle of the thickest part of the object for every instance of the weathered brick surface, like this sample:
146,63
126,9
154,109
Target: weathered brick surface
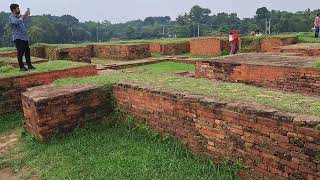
292,79
11,88
206,46
155,47
9,55
78,54
175,48
269,141
273,44
50,110
129,52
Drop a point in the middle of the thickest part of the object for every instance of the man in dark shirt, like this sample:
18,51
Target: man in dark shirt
19,36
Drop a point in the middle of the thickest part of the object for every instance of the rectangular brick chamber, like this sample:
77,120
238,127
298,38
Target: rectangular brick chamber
12,87
273,144
129,52
272,71
52,110
208,46
170,48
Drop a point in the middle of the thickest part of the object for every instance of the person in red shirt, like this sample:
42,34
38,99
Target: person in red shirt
317,25
235,42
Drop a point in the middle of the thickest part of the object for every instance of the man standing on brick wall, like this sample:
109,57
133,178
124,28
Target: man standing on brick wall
317,25
19,36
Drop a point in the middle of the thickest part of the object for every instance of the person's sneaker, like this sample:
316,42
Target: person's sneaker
23,69
31,68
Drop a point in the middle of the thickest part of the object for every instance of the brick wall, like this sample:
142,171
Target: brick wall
9,55
175,48
129,52
78,54
155,47
292,79
11,88
50,110
206,46
301,51
273,144
274,44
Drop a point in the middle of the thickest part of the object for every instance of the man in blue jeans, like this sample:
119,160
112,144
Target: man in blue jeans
19,36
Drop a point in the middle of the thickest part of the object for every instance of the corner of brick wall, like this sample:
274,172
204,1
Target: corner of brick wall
272,144
53,110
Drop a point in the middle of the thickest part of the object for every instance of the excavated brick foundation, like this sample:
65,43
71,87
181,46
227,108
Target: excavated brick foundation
272,144
273,71
129,52
51,110
208,46
11,88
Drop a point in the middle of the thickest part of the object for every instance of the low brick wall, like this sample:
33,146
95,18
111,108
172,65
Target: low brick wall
274,44
155,47
129,52
273,144
50,110
302,52
209,46
292,79
9,55
175,48
11,88
78,54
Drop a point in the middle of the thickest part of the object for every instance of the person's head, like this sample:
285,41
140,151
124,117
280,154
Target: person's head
15,8
318,14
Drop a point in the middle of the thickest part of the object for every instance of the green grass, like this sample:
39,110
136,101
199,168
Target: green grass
14,60
315,64
145,41
160,75
7,50
97,60
60,46
191,56
307,37
8,71
112,151
10,122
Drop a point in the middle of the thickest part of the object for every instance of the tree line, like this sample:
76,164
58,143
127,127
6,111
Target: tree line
198,21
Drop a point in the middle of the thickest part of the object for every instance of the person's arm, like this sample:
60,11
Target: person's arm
15,20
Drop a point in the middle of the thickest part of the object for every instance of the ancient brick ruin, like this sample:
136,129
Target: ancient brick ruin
129,52
208,46
273,44
175,48
281,72
12,87
272,143
51,109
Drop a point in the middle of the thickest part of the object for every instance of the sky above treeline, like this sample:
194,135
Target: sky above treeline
118,11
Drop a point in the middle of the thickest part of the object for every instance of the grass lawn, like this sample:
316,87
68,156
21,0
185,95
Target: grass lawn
8,71
161,75
144,41
14,60
97,60
60,46
307,37
110,151
7,50
191,56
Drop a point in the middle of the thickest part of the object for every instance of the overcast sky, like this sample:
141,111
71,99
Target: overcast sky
125,10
